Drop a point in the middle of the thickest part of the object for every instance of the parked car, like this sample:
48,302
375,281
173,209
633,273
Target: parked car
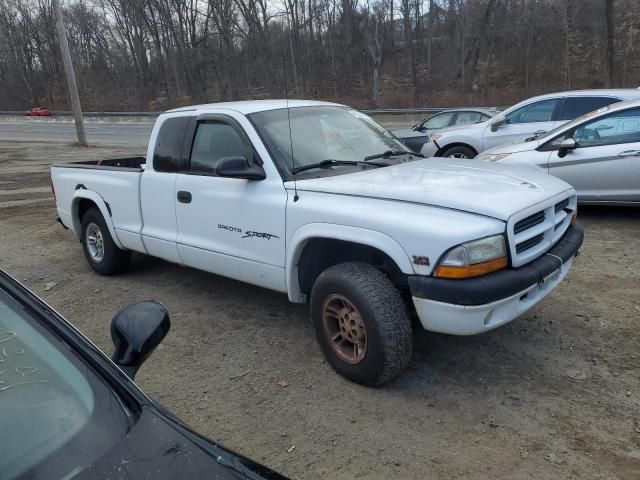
416,136
527,119
598,154
39,112
318,201
70,412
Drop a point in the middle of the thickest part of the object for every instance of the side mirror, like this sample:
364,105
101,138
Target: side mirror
567,145
239,167
136,331
497,123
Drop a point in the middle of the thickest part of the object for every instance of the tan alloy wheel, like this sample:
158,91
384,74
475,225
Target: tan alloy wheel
344,329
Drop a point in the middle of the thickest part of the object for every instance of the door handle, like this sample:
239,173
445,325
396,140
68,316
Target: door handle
629,153
539,132
184,197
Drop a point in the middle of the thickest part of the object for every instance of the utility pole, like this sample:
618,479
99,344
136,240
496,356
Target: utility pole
71,77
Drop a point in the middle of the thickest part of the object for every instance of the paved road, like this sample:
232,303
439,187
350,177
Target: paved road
130,134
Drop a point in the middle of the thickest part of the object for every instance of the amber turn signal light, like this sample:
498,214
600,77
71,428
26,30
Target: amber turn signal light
469,271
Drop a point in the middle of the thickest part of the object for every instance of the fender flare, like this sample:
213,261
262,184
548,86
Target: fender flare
364,236
76,221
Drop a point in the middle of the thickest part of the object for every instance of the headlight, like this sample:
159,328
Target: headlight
434,137
475,258
492,157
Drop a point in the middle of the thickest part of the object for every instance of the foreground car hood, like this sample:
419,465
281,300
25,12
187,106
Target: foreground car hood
485,188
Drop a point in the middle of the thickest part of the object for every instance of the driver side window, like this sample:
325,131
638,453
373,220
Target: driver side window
617,128
215,140
541,111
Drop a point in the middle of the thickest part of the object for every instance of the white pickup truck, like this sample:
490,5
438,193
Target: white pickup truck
318,201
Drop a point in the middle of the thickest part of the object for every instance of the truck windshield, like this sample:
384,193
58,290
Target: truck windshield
321,133
58,416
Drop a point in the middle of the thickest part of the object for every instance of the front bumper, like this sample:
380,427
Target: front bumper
430,149
475,305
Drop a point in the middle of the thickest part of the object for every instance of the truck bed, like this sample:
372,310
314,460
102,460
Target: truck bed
129,163
113,185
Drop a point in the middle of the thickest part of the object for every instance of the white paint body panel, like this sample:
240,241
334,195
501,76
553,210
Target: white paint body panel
420,208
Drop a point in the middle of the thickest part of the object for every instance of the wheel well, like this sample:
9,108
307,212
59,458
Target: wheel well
84,204
457,144
322,253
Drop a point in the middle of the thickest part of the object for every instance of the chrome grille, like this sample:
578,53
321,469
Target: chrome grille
535,230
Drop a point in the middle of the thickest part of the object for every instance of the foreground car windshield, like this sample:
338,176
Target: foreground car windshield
58,416
322,133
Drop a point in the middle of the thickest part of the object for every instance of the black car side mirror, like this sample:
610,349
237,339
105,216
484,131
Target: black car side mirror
239,167
567,145
136,331
497,123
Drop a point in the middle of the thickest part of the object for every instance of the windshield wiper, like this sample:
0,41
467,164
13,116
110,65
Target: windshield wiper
391,153
331,162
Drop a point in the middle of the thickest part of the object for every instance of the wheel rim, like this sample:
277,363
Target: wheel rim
344,328
458,155
95,242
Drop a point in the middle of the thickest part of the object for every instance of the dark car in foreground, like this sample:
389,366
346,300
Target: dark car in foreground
418,135
68,412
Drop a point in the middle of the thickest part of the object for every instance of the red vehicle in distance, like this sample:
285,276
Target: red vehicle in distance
39,112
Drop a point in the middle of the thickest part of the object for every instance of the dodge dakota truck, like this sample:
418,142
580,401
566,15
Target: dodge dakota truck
318,201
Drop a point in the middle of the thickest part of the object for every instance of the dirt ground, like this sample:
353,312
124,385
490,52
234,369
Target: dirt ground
555,394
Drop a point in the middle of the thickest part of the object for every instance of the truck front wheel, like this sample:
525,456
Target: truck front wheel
102,253
361,323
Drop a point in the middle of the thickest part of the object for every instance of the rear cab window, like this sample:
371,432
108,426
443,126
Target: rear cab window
166,153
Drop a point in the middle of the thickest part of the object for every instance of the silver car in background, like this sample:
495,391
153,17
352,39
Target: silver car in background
531,117
598,154
416,136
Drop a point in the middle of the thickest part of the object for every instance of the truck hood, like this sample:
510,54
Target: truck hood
484,188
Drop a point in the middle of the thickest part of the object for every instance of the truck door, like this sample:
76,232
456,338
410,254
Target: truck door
157,189
229,226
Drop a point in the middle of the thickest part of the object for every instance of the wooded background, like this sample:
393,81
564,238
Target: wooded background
137,55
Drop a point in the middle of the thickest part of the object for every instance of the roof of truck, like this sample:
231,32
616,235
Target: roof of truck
251,106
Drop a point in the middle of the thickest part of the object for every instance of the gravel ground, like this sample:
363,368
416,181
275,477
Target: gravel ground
554,394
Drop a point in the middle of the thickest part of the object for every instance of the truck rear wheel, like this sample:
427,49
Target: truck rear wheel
361,323
100,250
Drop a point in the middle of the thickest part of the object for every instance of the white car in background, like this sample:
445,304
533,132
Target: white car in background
530,118
598,154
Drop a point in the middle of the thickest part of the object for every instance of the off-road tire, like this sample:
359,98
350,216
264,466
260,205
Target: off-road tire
114,260
389,337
